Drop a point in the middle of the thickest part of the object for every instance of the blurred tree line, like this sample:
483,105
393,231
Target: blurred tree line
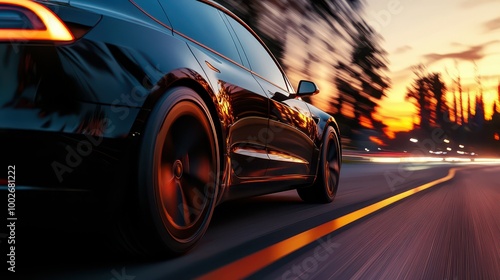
462,120
328,42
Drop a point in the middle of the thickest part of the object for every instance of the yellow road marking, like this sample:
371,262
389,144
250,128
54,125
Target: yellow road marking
254,262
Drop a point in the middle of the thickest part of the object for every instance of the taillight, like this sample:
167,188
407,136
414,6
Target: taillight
23,20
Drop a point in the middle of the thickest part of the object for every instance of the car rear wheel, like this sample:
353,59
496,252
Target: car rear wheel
324,188
178,172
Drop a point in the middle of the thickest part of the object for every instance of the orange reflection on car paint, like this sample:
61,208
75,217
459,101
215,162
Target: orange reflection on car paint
55,29
251,264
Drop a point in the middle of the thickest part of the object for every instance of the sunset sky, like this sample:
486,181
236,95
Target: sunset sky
443,35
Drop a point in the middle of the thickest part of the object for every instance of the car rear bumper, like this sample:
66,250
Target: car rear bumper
62,162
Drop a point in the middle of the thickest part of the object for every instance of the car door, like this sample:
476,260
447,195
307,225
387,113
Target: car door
289,141
240,97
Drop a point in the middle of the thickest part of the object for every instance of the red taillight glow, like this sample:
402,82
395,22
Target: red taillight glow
55,29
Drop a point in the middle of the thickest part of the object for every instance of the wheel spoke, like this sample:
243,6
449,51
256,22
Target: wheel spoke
183,198
333,166
168,191
184,207
332,181
195,182
194,197
172,197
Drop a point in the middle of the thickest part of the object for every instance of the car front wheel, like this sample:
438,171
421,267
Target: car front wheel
324,188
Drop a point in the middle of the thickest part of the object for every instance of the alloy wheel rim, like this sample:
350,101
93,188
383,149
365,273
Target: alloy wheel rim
185,171
331,168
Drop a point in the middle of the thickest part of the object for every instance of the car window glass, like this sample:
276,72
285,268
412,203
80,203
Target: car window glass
261,62
236,41
202,23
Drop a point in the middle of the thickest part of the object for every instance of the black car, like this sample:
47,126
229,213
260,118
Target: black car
162,109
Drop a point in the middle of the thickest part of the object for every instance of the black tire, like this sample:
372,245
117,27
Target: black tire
178,173
325,187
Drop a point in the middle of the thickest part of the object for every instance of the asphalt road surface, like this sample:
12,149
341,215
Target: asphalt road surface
449,231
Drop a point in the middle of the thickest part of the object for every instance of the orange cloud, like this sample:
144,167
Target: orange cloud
492,25
402,49
472,54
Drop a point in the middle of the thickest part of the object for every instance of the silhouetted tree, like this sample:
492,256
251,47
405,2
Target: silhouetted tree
332,10
428,93
469,112
460,97
479,117
419,93
369,57
438,89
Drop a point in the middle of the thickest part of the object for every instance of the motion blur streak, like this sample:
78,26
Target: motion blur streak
430,159
488,160
250,264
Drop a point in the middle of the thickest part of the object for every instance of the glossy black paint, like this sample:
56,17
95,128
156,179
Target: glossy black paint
71,115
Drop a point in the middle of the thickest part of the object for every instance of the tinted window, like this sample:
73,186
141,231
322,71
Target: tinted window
203,23
260,60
